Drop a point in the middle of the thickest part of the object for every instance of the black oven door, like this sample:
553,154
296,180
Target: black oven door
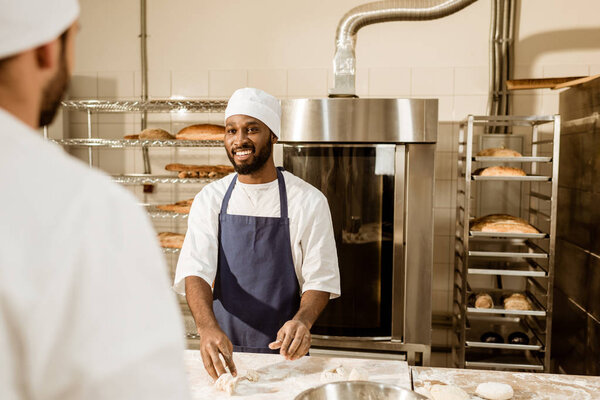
358,181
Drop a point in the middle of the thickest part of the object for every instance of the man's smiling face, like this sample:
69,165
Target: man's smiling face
248,142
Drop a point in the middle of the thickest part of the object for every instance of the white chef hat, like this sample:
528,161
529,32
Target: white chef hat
257,104
26,24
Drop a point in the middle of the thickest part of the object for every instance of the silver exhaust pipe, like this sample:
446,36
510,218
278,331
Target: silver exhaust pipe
344,61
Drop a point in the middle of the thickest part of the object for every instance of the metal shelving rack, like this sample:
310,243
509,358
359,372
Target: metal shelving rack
525,257
91,107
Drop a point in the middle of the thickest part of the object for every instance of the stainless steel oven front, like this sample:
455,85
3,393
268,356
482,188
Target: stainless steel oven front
374,161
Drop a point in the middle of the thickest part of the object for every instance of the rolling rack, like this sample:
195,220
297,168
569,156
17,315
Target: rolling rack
526,260
91,107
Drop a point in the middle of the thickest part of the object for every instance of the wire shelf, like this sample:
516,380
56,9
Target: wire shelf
155,212
527,178
166,105
122,143
143,179
508,235
170,250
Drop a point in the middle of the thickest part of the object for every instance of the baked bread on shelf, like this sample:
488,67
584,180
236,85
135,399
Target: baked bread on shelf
517,301
199,171
501,223
181,207
155,133
499,170
201,132
484,300
498,152
171,240
131,137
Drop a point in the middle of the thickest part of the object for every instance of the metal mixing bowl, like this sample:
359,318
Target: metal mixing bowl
358,390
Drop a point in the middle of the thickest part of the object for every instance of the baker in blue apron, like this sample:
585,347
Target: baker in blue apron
264,239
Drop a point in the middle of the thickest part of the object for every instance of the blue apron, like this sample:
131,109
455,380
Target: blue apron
256,288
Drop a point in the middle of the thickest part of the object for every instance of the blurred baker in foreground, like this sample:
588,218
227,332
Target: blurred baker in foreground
85,306
265,238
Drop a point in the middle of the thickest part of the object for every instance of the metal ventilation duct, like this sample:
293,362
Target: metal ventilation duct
344,61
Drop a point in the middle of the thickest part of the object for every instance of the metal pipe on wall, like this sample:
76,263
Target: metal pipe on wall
144,67
344,62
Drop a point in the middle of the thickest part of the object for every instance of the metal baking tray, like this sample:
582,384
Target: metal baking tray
507,269
494,365
512,159
144,179
123,143
527,178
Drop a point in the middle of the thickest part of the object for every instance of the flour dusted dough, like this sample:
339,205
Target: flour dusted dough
495,391
226,383
498,152
424,392
448,392
341,373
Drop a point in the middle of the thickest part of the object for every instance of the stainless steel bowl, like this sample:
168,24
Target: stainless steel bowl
358,390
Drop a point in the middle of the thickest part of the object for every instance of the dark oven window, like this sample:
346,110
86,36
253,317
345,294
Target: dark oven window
359,185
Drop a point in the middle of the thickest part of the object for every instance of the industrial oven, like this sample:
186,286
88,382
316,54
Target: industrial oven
374,161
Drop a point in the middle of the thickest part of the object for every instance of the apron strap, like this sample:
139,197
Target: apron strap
283,205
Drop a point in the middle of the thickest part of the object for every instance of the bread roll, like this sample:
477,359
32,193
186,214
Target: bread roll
500,171
498,152
201,132
484,300
181,207
131,137
158,134
171,240
517,301
501,223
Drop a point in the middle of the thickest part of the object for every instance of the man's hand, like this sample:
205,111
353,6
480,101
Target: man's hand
293,340
214,342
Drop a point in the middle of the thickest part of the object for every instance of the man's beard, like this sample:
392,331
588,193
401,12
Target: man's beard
53,93
260,159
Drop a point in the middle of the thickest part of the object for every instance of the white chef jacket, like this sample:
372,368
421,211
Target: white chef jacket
86,311
311,231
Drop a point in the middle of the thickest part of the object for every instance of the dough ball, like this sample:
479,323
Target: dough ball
495,391
329,376
251,375
448,392
358,374
226,383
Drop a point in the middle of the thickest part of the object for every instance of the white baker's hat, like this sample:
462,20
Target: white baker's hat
257,104
26,24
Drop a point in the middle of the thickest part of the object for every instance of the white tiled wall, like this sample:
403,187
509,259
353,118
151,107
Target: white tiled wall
202,49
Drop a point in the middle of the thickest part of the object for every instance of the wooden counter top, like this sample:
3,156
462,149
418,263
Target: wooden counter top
531,386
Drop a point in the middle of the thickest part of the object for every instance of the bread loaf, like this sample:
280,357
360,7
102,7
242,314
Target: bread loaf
202,132
484,300
181,207
501,223
171,240
498,152
131,137
158,134
517,301
500,171
199,171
